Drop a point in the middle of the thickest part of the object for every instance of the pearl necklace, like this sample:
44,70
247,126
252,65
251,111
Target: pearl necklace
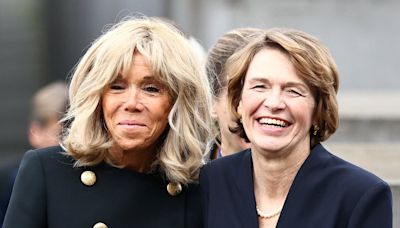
265,216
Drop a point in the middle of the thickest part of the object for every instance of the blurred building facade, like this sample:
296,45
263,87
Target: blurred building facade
42,40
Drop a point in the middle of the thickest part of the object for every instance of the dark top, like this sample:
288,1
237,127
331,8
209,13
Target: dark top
48,192
326,192
8,172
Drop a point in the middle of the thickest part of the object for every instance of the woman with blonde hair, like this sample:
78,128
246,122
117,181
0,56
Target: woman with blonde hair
137,125
282,94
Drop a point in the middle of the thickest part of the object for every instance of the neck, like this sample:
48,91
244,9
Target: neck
138,161
274,175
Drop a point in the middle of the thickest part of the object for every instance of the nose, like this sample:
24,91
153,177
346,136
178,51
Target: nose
273,100
133,100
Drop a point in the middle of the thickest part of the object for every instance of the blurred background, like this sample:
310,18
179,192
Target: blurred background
42,40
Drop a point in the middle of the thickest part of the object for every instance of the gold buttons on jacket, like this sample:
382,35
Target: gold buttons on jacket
100,225
88,178
174,188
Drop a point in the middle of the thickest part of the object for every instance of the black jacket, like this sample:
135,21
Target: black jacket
48,192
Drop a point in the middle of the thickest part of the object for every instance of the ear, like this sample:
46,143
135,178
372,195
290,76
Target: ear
34,134
314,121
239,108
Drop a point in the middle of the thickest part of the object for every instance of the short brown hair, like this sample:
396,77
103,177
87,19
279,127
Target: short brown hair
313,63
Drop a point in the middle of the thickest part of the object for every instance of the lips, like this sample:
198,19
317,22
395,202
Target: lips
274,122
131,123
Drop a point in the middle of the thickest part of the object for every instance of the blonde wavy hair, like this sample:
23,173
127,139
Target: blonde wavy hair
313,63
175,62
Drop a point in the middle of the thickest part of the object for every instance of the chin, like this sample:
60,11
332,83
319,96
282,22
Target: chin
272,145
127,145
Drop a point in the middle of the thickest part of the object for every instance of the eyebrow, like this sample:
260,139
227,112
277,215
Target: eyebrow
297,84
259,79
150,77
286,84
147,77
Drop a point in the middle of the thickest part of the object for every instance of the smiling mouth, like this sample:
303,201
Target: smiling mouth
273,122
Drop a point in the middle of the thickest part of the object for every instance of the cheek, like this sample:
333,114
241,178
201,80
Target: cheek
109,103
304,111
163,109
108,109
160,122
104,103
311,109
249,104
105,109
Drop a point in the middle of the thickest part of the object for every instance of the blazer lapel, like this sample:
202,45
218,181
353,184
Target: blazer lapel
302,188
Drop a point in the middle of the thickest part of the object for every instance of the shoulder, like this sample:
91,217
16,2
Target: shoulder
361,195
48,154
229,162
339,190
50,160
226,169
341,173
33,173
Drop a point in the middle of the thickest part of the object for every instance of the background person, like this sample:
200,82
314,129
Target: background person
226,142
283,93
131,154
47,107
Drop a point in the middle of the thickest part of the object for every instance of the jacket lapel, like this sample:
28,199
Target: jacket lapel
301,190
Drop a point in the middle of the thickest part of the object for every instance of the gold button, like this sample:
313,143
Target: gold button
100,225
174,188
88,178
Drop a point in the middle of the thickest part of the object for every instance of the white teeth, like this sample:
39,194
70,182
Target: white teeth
274,122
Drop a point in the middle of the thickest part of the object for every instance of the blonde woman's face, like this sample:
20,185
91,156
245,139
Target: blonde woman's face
136,108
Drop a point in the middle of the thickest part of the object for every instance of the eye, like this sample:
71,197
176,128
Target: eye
152,88
117,86
258,86
294,92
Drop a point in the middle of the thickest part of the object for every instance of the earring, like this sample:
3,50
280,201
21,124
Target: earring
316,128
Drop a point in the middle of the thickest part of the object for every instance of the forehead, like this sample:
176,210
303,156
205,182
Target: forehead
139,60
139,67
272,63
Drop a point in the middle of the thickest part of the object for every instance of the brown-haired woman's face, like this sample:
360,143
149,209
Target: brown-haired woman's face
276,104
136,107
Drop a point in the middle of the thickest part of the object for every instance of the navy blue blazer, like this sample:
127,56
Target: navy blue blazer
48,192
326,192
